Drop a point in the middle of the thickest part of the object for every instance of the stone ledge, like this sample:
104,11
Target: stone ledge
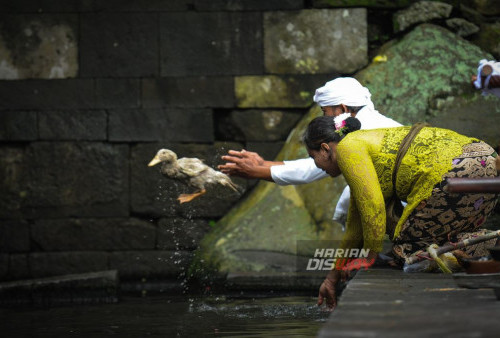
87,288
274,281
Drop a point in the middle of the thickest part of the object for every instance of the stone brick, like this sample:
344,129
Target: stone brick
20,6
258,125
462,27
88,125
181,233
134,6
63,263
42,6
47,94
93,234
60,6
18,126
419,12
315,41
117,93
43,46
65,6
247,5
119,44
268,150
211,43
14,236
271,91
188,92
14,181
18,267
362,3
150,264
4,266
76,179
181,125
154,194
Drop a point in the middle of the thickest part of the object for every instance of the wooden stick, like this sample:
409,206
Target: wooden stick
450,247
473,185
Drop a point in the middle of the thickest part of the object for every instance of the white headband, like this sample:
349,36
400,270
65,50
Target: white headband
343,90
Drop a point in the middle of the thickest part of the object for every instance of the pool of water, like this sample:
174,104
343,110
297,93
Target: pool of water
171,316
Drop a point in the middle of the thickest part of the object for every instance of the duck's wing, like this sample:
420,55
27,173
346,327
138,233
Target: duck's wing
192,166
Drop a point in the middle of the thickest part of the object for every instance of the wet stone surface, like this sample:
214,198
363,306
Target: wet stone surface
391,303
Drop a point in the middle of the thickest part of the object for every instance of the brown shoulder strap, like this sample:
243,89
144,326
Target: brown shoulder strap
403,148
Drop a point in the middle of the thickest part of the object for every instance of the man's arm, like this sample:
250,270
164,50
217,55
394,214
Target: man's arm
248,164
297,172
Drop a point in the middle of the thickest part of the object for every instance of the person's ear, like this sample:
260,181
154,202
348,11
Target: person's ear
344,108
325,147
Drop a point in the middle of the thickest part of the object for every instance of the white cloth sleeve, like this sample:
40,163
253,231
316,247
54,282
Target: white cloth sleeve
297,172
342,207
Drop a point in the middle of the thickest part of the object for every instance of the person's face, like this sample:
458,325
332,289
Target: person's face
326,158
332,110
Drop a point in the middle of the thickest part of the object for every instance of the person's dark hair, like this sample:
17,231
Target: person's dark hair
322,130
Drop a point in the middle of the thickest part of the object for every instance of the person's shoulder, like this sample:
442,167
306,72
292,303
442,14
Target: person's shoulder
372,119
353,140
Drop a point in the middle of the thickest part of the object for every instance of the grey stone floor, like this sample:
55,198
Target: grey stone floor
391,303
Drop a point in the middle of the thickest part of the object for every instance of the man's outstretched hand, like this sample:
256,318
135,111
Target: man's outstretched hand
246,164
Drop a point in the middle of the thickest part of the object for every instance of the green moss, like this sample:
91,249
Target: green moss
428,63
269,91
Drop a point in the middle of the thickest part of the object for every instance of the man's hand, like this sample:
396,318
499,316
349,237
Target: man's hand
246,164
249,156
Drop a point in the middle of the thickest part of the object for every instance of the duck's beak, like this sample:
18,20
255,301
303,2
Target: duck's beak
154,161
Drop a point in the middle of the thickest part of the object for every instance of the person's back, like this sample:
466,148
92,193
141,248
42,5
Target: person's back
430,154
366,159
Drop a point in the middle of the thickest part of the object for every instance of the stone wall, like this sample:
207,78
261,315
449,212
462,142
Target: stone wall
90,90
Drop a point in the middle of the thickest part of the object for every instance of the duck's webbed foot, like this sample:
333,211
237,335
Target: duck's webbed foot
183,198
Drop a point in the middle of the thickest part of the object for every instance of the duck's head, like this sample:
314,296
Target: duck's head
163,155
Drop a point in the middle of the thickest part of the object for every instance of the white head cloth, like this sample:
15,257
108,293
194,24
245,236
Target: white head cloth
343,90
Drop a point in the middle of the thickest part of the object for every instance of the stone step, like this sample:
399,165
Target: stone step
86,288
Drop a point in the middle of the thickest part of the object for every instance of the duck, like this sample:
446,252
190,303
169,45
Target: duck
190,171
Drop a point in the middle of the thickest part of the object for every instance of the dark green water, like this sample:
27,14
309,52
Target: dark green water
180,316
